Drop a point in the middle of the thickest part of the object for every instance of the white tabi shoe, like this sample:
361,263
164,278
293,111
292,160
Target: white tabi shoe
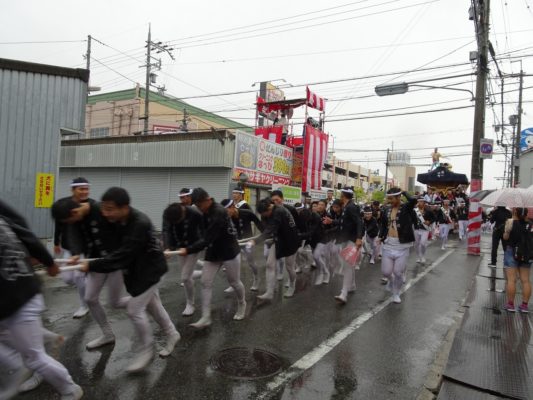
202,323
172,340
241,311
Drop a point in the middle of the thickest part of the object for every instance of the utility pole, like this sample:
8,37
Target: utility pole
185,121
88,55
88,60
386,172
516,164
481,10
158,47
147,85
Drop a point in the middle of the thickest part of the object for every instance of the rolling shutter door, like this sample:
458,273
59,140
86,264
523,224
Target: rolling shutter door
101,179
216,181
148,189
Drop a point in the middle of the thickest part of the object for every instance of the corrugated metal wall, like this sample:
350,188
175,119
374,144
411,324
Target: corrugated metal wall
195,153
151,189
32,109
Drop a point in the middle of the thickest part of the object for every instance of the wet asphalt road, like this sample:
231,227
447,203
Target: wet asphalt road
387,357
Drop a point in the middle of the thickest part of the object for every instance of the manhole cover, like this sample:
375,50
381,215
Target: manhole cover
244,363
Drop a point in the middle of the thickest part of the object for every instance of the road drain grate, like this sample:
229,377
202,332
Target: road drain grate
245,363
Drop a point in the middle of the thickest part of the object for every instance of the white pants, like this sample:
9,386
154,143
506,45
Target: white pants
394,263
187,268
233,275
334,261
279,263
271,264
463,229
115,285
348,271
22,333
75,278
248,255
151,302
374,246
444,229
320,254
421,242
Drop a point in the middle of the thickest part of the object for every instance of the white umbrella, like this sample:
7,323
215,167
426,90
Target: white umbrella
510,197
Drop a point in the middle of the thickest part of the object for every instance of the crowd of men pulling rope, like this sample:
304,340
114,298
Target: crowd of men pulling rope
110,243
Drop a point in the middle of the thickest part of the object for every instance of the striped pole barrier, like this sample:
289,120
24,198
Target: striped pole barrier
474,228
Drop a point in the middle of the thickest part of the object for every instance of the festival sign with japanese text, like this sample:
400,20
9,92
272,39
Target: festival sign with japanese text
44,190
264,162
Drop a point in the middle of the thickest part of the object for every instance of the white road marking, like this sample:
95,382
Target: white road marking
319,352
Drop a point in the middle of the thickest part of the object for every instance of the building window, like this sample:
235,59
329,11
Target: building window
99,132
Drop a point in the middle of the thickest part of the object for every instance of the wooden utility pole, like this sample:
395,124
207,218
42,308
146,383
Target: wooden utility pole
481,18
147,85
516,165
386,172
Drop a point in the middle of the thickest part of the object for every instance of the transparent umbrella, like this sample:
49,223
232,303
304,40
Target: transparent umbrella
509,197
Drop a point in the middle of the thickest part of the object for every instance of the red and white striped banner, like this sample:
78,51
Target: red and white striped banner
315,152
315,101
474,228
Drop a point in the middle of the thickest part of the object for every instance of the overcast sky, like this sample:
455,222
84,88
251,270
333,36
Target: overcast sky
227,46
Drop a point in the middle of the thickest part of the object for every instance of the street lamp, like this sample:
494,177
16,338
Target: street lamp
391,89
403,87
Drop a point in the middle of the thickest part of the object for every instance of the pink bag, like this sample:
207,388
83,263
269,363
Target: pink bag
351,254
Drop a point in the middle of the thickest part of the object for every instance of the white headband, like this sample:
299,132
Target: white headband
394,194
347,191
238,191
186,193
77,184
301,206
229,204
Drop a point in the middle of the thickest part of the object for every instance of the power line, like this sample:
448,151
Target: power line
44,42
314,53
410,149
115,71
308,26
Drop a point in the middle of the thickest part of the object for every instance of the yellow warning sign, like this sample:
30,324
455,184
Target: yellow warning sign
44,190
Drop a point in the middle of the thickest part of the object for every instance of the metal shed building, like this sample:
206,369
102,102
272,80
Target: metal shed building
37,103
152,168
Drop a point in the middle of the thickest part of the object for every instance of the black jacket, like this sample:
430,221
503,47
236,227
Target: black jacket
404,221
441,218
332,230
139,254
93,236
243,223
282,228
18,284
371,227
427,215
317,230
243,206
499,216
220,236
184,233
350,223
302,223
68,236
462,213
293,212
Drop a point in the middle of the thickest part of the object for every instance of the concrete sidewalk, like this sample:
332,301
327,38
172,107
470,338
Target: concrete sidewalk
492,352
